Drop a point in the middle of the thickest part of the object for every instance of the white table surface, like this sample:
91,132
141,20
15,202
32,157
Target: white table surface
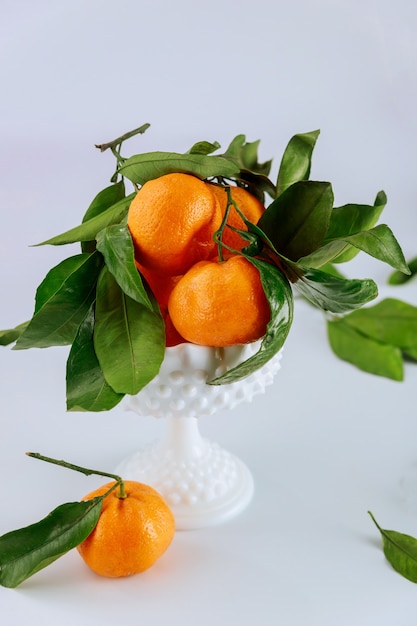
325,443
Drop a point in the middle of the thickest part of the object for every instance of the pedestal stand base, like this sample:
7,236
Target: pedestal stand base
203,484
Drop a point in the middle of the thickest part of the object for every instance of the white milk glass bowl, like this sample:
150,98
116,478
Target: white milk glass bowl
203,484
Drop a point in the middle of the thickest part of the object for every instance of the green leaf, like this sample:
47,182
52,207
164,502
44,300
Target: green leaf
279,294
332,269
257,184
115,244
375,338
105,199
296,161
102,201
399,277
351,219
389,321
334,294
400,551
245,155
249,158
204,147
62,301
87,389
129,339
379,242
354,218
410,352
251,173
88,230
367,354
10,335
26,551
297,221
234,149
143,167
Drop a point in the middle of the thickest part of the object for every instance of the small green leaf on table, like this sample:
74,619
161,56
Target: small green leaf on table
390,321
400,551
365,353
375,339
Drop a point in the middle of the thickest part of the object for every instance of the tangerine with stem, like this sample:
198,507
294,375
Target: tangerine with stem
134,529
172,220
251,207
220,304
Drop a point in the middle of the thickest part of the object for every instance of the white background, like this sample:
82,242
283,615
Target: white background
326,442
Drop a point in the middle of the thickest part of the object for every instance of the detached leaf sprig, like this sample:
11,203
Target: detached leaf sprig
400,551
26,551
377,339
97,303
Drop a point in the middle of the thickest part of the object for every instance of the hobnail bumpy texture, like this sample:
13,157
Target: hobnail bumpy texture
180,389
187,482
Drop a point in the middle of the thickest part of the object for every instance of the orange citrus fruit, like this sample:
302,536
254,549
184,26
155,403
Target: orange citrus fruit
172,336
172,220
251,207
161,287
131,533
220,303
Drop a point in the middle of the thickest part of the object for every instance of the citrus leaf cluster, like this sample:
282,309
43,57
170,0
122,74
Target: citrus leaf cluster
96,302
377,339
28,550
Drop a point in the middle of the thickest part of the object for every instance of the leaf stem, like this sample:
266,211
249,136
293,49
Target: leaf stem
77,468
374,521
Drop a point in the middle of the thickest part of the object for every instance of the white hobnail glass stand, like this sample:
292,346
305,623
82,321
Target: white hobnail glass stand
203,484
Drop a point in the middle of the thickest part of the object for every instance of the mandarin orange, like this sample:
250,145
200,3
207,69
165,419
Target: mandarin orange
161,287
172,220
220,303
131,533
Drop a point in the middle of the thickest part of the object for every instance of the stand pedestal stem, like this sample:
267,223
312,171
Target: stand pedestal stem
182,440
202,483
